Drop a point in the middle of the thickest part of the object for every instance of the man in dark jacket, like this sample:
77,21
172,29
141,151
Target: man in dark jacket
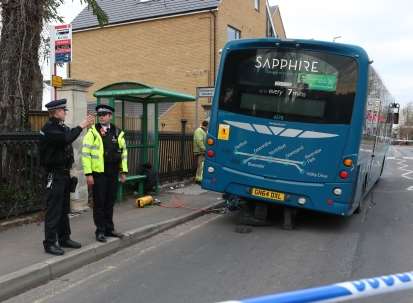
56,154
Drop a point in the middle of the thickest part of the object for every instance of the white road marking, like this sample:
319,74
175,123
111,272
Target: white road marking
401,158
395,152
403,166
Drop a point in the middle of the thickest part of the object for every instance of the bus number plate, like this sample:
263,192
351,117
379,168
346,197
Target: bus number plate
262,193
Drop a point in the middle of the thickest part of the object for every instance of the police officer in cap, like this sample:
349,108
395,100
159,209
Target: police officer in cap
56,154
104,159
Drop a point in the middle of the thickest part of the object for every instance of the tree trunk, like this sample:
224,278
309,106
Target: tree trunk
20,75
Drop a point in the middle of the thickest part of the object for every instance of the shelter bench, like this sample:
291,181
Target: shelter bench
140,179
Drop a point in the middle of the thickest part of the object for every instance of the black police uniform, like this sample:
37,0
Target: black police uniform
106,183
57,158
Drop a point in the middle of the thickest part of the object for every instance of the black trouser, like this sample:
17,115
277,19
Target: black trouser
104,194
56,223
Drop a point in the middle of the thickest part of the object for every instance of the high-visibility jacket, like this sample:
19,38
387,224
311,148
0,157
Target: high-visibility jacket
92,152
199,140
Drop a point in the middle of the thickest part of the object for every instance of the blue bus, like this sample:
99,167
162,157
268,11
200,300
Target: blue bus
300,123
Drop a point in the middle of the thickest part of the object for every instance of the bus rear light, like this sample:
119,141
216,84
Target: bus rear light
348,162
210,141
302,200
211,169
210,153
343,174
330,202
337,191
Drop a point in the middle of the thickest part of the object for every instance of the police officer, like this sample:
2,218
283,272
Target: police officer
104,158
56,155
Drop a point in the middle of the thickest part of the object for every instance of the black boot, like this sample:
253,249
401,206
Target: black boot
53,249
69,243
100,237
114,234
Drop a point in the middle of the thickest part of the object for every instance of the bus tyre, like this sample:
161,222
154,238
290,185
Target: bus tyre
360,207
289,218
247,216
382,167
242,229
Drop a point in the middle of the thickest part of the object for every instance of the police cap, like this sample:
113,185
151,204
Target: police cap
56,104
104,109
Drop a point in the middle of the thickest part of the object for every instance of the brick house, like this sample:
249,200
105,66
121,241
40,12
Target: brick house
172,44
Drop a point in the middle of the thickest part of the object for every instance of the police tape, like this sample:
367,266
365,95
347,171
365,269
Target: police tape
340,292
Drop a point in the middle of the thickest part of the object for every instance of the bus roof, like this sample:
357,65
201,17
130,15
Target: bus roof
345,49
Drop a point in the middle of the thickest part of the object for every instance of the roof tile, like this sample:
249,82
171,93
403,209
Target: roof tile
120,11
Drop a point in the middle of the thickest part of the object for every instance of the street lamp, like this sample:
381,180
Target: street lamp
335,38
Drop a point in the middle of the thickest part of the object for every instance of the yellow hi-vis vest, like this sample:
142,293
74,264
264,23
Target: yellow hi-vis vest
92,152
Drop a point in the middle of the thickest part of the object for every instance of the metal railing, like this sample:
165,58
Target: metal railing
22,178
176,156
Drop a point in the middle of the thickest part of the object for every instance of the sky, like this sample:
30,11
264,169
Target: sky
383,28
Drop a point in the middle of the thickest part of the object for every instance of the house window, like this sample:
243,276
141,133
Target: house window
233,33
257,5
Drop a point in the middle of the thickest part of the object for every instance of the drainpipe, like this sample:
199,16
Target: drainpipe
215,46
214,31
267,4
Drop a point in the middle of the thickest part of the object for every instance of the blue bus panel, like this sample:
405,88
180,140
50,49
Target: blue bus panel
297,123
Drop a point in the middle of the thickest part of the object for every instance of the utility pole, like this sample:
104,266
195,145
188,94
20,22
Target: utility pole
52,62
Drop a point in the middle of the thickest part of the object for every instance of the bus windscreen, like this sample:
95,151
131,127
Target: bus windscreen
289,85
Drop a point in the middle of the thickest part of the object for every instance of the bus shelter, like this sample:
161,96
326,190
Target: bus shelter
137,113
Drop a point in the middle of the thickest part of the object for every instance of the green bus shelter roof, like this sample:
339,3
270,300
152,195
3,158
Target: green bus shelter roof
141,93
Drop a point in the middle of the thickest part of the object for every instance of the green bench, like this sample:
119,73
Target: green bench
140,179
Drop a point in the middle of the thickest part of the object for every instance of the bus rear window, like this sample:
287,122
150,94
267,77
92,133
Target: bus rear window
289,85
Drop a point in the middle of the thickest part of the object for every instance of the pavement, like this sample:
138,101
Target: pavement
25,265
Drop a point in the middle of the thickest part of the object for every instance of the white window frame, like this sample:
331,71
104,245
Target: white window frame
236,31
257,5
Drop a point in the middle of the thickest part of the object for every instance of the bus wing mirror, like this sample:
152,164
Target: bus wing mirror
396,109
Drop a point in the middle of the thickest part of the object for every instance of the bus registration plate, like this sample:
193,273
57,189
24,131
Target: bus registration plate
262,193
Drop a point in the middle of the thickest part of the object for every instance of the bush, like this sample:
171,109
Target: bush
14,202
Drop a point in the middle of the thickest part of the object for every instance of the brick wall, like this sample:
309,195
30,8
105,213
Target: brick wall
241,15
173,53
170,53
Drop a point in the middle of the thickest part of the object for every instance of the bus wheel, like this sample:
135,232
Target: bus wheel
254,214
360,207
382,166
289,218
